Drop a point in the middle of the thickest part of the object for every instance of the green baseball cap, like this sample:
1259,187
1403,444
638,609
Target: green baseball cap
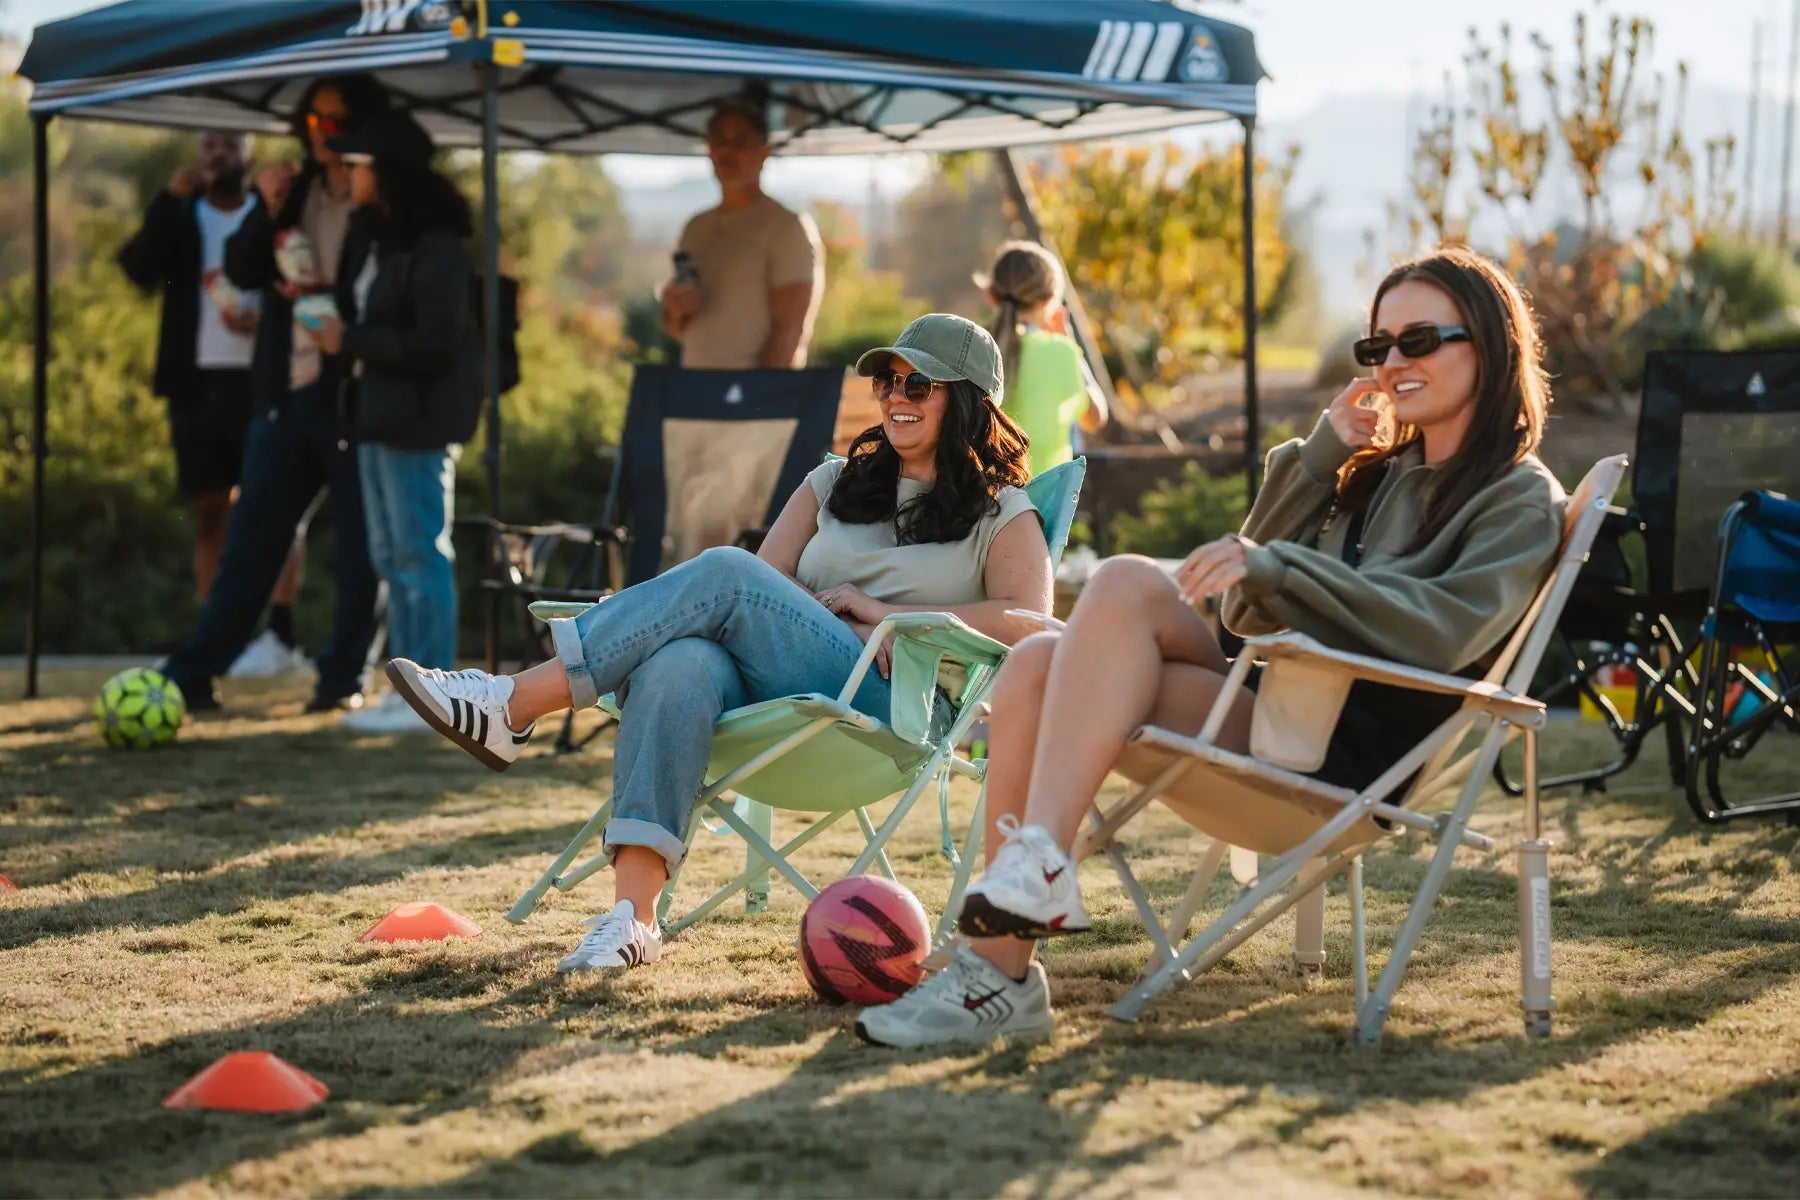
945,347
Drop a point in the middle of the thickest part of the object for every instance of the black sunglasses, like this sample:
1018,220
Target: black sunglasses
1415,341
915,387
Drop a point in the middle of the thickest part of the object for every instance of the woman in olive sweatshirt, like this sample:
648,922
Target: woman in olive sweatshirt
1421,538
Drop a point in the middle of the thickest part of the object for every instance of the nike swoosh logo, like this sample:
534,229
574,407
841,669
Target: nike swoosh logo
1053,876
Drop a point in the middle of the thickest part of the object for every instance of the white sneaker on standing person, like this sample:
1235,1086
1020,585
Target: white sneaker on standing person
268,657
388,714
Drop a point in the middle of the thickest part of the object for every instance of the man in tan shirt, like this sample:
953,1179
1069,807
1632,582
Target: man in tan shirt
760,267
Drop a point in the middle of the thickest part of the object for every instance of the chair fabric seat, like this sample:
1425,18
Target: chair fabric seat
863,759
1238,800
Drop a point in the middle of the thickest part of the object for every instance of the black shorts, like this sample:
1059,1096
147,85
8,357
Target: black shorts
208,428
1379,724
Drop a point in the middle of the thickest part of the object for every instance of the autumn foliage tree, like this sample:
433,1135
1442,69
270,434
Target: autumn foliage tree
1615,126
1154,241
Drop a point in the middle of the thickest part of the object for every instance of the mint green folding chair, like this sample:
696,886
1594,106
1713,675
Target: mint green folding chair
817,754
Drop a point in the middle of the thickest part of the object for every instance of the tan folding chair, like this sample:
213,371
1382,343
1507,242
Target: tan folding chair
1264,802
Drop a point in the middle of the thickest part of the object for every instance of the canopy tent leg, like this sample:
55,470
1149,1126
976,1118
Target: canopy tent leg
1080,327
1252,430
490,320
40,370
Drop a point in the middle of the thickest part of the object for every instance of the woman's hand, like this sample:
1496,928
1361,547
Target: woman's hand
1214,568
329,335
853,604
884,657
1354,425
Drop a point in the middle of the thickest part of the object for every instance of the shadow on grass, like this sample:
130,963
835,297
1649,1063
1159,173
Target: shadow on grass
1757,1127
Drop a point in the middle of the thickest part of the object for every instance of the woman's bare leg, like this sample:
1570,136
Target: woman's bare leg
537,692
1105,682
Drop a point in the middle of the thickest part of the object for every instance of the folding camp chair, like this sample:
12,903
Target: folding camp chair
1265,801
1755,603
818,754
707,458
1711,427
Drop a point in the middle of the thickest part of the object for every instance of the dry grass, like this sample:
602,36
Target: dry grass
179,905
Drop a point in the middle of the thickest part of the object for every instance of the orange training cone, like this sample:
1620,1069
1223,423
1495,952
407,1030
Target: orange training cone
420,921
7,885
249,1081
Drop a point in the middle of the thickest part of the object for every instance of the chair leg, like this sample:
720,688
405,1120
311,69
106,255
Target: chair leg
761,818
901,808
1359,939
766,855
1309,926
881,863
535,893
1372,1015
1199,884
971,851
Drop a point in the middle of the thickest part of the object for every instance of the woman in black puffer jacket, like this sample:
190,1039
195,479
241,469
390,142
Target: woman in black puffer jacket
414,386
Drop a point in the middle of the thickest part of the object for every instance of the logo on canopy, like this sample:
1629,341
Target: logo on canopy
400,16
1204,63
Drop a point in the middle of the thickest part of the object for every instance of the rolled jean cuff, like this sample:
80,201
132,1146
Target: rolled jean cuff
629,831
567,639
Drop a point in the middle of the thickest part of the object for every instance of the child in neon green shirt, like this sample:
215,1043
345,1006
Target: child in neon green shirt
1047,390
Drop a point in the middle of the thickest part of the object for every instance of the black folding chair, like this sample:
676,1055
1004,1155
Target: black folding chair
707,458
1712,426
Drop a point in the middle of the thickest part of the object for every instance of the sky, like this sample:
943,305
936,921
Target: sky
1318,49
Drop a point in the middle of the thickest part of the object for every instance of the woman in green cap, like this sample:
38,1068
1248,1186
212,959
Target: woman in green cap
926,514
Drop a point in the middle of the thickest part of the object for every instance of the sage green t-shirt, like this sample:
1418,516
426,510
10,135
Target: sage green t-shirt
1048,396
871,557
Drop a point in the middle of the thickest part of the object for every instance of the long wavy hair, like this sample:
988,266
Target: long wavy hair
980,450
1512,392
415,198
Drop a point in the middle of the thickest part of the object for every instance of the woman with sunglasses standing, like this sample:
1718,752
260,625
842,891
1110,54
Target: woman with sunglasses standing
293,247
926,515
1423,543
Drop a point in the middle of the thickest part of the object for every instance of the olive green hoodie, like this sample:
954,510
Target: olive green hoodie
1443,607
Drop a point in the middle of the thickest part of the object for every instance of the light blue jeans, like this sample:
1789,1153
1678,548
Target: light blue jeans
408,503
719,631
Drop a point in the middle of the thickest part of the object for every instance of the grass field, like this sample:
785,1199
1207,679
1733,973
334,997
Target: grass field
179,905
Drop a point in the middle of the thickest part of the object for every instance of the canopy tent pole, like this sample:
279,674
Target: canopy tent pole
40,381
490,318
1252,432
1080,328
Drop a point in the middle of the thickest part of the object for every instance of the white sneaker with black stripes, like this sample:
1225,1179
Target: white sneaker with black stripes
468,707
616,941
971,1000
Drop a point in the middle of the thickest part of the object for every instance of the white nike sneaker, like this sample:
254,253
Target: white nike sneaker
1029,890
971,1000
616,941
268,657
390,714
468,707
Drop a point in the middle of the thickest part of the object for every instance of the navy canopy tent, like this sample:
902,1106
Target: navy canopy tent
641,76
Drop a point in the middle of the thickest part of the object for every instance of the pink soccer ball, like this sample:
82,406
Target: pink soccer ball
863,941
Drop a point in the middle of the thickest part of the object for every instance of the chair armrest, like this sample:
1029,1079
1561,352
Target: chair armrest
568,531
922,641
1521,710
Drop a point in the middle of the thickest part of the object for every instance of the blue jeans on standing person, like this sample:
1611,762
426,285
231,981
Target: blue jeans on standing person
409,500
719,631
289,455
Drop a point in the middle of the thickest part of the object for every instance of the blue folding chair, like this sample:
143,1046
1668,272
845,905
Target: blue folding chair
1754,608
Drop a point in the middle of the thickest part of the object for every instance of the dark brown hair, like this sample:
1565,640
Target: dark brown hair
980,450
1512,393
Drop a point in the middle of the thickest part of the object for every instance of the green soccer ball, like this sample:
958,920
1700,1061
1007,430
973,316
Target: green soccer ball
139,709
